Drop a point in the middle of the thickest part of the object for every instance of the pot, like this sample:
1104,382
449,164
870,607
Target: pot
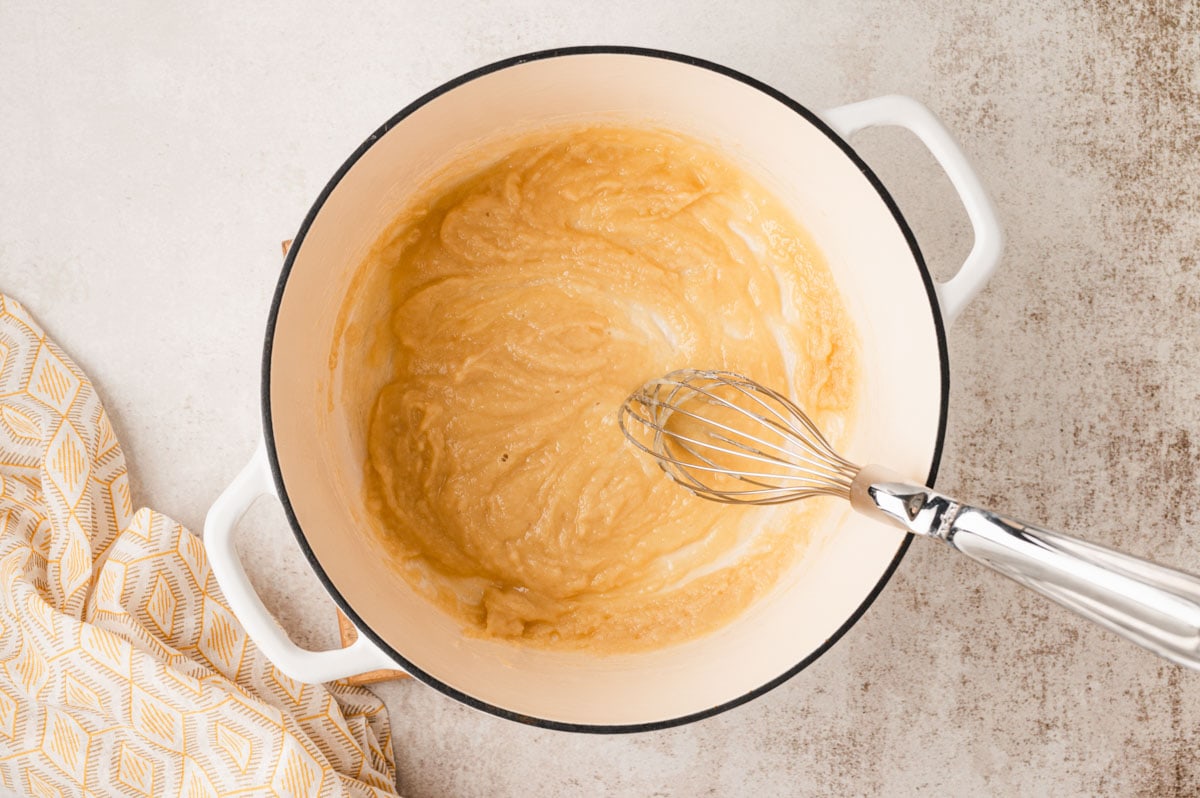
311,459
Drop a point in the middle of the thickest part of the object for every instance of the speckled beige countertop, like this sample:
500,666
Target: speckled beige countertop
155,154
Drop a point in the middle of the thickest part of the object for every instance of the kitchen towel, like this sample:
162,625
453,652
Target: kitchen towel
122,670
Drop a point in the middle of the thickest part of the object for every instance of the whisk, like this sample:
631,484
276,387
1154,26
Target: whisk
727,438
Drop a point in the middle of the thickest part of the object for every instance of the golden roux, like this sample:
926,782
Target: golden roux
528,298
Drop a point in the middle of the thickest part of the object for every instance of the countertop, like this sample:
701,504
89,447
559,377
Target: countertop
155,154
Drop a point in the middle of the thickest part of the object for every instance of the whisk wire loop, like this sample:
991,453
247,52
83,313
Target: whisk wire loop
727,438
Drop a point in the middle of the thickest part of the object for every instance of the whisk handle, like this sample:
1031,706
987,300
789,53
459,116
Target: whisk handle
1151,605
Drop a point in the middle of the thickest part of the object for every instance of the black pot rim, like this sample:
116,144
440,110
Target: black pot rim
298,241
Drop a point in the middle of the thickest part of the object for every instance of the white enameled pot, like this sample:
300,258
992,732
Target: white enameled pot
312,458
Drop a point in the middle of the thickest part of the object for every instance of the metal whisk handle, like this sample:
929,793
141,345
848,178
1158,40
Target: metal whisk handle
1151,605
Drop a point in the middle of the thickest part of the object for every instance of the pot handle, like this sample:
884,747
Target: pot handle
301,664
905,112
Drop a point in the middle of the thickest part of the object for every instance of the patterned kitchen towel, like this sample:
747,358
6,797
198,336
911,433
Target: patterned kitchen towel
122,670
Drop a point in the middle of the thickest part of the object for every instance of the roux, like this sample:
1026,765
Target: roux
526,298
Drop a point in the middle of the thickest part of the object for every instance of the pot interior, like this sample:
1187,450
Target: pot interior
318,443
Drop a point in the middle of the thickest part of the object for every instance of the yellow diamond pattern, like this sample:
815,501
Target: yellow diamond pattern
297,774
122,670
79,695
67,464
122,502
28,670
155,720
52,381
75,567
108,649
191,552
106,439
222,639
161,606
40,613
110,587
135,770
65,743
21,425
234,745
